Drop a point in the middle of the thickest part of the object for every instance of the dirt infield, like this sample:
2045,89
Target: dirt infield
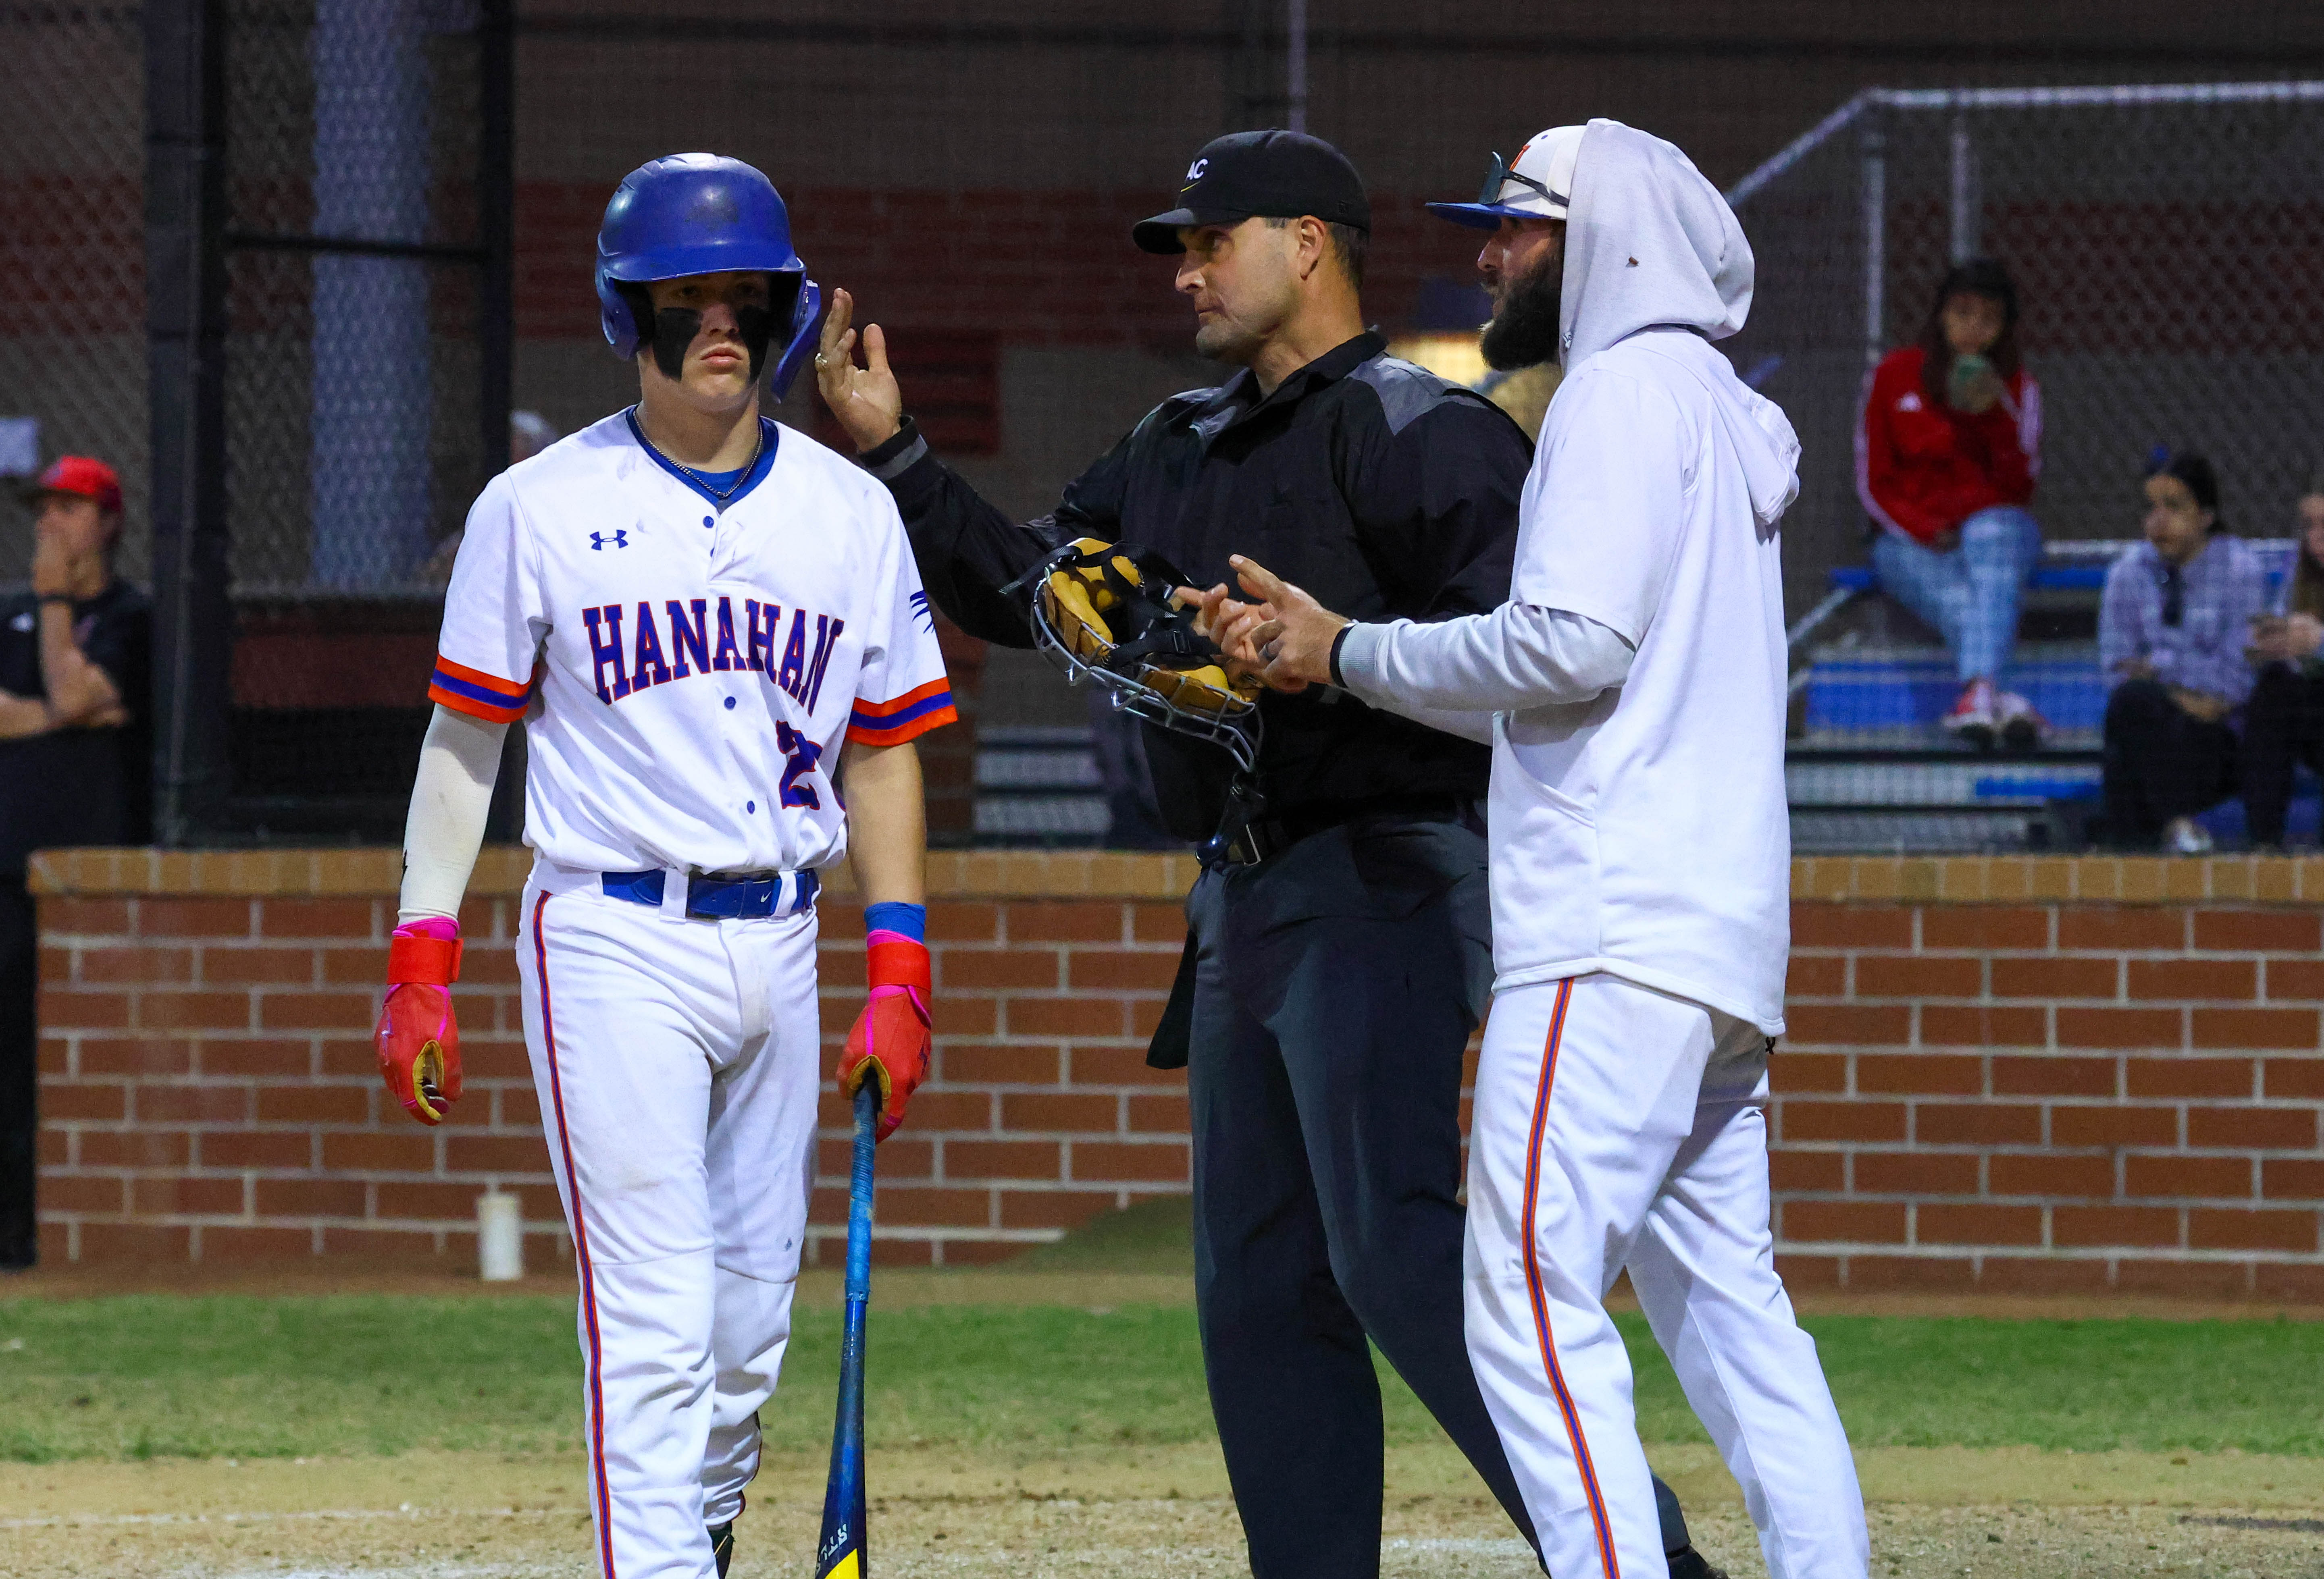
2006,1514
1115,1513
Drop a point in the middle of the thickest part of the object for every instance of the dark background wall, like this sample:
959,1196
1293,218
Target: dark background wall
975,169
969,169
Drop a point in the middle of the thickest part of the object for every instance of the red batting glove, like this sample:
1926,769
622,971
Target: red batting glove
418,1041
890,1042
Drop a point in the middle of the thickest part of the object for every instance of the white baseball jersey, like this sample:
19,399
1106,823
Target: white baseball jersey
687,667
686,671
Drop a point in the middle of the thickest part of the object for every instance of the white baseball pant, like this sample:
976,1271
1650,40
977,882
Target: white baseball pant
677,1063
1617,1125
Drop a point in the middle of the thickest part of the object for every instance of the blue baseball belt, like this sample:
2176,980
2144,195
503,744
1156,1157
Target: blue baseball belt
719,896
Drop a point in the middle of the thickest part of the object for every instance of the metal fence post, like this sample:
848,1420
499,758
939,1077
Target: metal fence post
1964,190
1874,142
496,324
1295,76
185,337
496,220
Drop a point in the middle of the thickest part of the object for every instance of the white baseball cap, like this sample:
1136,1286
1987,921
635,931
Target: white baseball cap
1536,184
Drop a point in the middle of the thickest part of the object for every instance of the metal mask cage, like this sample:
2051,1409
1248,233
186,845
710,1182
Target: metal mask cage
1237,728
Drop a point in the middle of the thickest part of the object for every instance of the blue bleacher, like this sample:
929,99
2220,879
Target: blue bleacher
1896,693
1889,694
2080,566
2047,578
1867,705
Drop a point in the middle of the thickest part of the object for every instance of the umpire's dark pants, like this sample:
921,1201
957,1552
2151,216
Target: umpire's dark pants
20,952
1335,988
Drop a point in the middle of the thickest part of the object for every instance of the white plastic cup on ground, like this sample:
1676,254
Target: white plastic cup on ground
500,1237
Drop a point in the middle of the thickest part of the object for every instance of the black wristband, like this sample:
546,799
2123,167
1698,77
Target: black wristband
894,455
1339,637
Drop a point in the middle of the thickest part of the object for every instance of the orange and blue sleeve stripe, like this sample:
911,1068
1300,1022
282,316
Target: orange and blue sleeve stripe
476,694
912,715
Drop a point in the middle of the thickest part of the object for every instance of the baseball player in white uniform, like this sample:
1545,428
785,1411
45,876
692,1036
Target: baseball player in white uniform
710,626
1633,689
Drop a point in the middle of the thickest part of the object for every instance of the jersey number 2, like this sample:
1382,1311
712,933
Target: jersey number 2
800,755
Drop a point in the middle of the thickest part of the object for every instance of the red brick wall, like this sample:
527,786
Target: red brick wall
2058,1097
209,1090
2083,1093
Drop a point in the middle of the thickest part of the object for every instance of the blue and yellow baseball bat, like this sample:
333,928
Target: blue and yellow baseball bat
839,1555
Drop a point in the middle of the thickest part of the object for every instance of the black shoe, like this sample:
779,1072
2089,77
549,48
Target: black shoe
722,1546
1685,1563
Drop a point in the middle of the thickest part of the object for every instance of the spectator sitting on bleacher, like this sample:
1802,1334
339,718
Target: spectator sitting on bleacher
2171,631
1946,454
2283,722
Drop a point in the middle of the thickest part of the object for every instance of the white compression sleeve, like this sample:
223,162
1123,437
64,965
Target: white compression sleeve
1518,656
459,762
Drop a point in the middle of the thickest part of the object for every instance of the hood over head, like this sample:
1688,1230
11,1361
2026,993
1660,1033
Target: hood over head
1651,244
1648,244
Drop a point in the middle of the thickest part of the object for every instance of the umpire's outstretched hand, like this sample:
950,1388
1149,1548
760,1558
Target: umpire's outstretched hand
866,399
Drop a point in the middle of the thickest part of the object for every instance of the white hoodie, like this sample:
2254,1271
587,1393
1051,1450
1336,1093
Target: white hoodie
1638,817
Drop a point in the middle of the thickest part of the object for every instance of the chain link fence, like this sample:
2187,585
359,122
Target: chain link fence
969,170
356,251
361,320
72,249
353,245
2167,245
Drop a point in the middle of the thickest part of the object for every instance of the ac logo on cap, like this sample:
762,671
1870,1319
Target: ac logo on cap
1194,170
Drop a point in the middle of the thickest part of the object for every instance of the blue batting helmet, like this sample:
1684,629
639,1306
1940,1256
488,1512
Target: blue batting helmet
702,214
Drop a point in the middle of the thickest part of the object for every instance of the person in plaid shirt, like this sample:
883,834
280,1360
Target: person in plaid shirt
2172,628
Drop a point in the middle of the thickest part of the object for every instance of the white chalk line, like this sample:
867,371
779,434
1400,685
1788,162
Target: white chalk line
104,1520
430,1571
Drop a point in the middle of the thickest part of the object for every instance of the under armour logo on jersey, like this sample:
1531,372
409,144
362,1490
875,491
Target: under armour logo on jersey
1909,403
620,539
22,622
920,607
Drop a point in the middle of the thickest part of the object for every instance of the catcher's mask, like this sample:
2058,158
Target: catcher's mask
1103,612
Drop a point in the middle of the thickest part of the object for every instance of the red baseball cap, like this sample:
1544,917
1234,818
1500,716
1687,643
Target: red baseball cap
83,477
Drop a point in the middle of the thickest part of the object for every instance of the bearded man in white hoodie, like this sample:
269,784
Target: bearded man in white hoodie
1633,692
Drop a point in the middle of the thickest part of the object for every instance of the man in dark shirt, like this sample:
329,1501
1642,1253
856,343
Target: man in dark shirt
74,765
1339,947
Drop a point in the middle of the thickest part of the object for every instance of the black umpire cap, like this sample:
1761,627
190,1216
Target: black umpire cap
1274,174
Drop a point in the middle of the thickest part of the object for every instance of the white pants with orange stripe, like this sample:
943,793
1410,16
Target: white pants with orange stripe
679,1064
1618,1126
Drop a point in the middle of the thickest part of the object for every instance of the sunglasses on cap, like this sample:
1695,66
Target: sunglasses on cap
1501,174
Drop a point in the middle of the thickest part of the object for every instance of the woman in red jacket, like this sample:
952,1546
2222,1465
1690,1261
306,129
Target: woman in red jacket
1946,455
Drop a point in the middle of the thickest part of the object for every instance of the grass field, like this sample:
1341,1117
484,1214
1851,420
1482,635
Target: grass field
1049,1420
141,1377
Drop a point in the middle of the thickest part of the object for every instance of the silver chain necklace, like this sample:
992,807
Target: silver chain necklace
740,477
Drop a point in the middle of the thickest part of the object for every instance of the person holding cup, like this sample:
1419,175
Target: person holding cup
1948,449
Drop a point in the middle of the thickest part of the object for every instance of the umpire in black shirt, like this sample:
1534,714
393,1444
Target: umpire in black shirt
75,765
1339,947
